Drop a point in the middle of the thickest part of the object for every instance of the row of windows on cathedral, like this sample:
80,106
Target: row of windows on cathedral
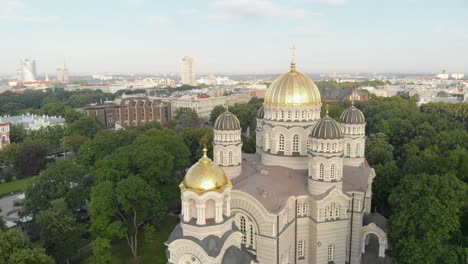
298,115
301,250
323,147
230,137
222,161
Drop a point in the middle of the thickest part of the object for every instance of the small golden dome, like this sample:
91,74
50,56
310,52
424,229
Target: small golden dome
205,175
292,89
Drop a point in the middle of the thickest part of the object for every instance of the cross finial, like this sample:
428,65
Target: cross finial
293,57
326,109
204,151
293,54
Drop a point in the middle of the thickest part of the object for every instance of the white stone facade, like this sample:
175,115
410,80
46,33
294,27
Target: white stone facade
298,199
227,151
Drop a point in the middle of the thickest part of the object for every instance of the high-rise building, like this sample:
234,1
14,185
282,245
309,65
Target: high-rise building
62,74
187,71
27,70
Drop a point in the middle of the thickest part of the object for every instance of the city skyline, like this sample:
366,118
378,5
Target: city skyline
235,37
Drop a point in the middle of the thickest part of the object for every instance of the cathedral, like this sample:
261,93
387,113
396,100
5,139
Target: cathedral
303,197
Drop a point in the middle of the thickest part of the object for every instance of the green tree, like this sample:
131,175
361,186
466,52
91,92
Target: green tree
17,133
72,115
54,109
378,150
59,231
9,153
104,144
186,117
16,249
62,179
120,210
217,111
427,211
86,126
2,225
196,139
154,157
31,158
101,251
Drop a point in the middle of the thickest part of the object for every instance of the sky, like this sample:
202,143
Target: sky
235,36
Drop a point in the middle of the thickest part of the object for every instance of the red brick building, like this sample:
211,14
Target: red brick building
131,112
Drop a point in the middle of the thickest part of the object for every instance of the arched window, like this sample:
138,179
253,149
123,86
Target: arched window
296,115
331,252
333,172
328,147
281,142
337,211
304,208
289,114
348,150
300,248
321,146
221,157
242,229
282,114
322,171
303,115
357,149
267,141
296,143
333,147
308,144
230,157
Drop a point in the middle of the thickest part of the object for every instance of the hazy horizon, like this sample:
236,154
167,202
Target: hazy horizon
235,37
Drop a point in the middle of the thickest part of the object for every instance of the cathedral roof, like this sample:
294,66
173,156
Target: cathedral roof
327,128
272,186
227,121
205,175
352,115
292,89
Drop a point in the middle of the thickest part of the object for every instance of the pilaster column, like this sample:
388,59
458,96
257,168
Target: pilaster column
186,211
382,247
228,206
201,214
219,212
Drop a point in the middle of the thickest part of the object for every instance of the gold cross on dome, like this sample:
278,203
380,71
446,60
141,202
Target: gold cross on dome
293,53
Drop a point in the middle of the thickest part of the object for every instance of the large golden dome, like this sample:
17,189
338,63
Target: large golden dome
292,89
205,175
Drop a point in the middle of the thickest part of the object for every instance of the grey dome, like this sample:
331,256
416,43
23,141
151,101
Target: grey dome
327,128
261,112
352,115
227,121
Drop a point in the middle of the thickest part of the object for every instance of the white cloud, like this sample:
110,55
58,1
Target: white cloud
329,2
18,11
253,8
158,20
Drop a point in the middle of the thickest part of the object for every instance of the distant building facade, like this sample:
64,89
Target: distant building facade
340,95
27,71
187,72
131,112
33,122
62,74
4,135
202,106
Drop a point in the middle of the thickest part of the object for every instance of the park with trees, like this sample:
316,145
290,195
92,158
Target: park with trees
119,192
